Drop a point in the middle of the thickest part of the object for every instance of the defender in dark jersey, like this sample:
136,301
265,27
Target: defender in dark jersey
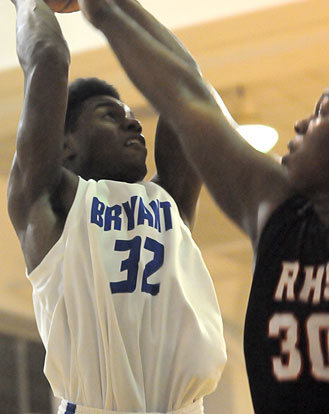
284,209
287,323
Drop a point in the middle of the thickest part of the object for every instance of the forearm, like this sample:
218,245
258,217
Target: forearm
158,31
37,30
154,69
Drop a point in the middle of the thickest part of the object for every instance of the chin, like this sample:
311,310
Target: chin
128,174
302,187
132,174
135,175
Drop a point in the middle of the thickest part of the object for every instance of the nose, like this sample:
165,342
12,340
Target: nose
301,126
132,124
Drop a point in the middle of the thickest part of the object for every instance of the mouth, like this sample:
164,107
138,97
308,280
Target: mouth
135,141
285,158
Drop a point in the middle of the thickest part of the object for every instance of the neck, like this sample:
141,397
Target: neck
321,207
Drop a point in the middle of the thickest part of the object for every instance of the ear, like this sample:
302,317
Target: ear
70,149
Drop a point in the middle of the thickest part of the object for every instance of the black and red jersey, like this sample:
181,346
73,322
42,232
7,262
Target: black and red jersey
286,338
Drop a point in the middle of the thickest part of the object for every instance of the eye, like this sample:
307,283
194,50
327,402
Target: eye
109,115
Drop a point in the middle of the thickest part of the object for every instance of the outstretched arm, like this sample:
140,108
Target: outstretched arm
174,172
246,184
156,30
36,172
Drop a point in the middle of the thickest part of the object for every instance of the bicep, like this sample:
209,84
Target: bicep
15,199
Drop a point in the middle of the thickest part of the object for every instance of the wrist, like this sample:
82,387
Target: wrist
97,13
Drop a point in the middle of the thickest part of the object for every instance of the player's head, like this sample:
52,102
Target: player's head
308,160
103,138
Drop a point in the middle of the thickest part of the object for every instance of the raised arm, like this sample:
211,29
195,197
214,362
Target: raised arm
158,31
246,184
174,172
36,171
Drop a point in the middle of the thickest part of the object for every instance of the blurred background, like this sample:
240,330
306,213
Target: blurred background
269,61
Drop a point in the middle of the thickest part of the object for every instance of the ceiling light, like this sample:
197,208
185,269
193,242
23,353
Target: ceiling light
261,137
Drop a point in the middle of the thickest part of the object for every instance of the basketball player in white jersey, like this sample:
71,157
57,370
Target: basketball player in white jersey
124,304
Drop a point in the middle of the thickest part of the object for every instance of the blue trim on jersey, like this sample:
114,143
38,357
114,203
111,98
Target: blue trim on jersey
70,408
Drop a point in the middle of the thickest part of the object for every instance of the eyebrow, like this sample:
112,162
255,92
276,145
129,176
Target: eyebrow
105,104
114,105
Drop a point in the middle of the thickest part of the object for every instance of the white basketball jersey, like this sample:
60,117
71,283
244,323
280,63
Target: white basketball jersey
125,306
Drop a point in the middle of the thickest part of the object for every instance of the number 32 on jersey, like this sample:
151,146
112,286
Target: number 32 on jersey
288,366
131,265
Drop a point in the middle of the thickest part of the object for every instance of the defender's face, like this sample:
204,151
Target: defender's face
109,141
308,160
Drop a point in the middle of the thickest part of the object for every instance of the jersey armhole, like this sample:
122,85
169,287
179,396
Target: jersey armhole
80,188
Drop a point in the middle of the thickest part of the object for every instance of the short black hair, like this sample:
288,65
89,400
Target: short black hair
80,90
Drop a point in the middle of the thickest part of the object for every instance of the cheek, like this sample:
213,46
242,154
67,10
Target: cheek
317,152
105,141
310,173
309,167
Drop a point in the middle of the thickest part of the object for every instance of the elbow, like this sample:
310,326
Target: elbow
48,53
54,52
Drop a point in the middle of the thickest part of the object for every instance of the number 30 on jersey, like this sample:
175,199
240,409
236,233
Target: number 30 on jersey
290,367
